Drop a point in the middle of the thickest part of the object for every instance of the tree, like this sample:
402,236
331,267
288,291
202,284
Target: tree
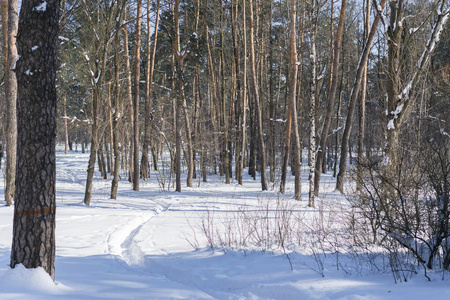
331,98
136,98
11,98
292,108
148,87
179,56
34,214
256,98
354,96
103,32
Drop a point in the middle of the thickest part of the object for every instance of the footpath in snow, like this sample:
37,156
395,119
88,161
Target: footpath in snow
140,246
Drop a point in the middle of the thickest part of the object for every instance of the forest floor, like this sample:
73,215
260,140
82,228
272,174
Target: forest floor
149,245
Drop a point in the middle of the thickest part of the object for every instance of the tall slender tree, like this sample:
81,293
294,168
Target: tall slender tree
136,97
331,97
354,96
151,53
256,98
11,105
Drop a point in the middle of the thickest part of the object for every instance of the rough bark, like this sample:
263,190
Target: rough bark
34,214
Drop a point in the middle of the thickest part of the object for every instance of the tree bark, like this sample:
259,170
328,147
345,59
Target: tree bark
181,103
129,95
116,120
244,104
312,106
148,90
34,213
11,105
137,65
258,108
362,109
66,133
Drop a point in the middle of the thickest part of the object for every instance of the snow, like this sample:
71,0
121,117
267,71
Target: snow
33,281
413,30
34,48
63,38
139,247
390,125
41,7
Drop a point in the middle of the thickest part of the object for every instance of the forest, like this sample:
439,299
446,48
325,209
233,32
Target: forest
180,92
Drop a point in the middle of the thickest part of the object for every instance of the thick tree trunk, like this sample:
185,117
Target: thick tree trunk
400,100
34,213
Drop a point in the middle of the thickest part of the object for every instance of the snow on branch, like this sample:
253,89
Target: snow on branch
407,91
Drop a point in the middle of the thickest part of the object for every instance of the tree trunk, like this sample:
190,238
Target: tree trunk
362,109
148,91
11,105
116,119
129,95
354,97
293,67
34,213
181,102
256,98
331,97
244,104
312,111
66,133
137,65
93,150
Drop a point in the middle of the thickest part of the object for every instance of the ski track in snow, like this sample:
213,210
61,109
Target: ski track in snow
135,247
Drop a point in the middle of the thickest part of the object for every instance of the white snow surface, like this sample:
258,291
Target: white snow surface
135,247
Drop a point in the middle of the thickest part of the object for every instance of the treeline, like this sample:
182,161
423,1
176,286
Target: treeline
232,86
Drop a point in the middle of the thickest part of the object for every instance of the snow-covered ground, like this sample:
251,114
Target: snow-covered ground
140,247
